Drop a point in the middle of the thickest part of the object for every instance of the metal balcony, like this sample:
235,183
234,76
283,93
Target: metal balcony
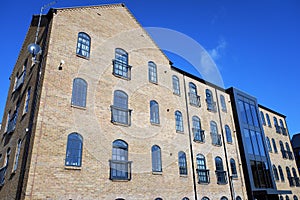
221,177
121,69
203,176
194,99
120,115
120,170
199,135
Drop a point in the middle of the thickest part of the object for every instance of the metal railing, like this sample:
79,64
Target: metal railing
120,170
120,115
194,99
221,177
121,69
203,176
199,135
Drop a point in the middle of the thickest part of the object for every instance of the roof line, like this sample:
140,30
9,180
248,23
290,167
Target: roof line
272,111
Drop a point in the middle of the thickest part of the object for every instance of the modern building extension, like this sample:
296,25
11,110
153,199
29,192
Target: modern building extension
101,113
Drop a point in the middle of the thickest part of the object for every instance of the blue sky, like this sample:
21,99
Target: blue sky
255,44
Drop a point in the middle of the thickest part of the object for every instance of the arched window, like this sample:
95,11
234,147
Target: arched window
194,98
268,120
233,168
4,167
154,112
223,103
274,145
223,198
185,198
276,125
83,45
238,198
176,87
27,99
228,134
295,197
283,152
282,127
74,150
120,111
211,105
17,155
287,197
156,159
120,64
158,198
220,173
289,176
182,163
152,72
280,197
262,118
288,151
294,172
205,198
215,137
79,92
276,176
268,144
197,131
203,173
120,167
281,173
179,121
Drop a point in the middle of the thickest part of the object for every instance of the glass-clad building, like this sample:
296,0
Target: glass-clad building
254,152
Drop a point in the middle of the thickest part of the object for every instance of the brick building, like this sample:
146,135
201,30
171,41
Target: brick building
101,113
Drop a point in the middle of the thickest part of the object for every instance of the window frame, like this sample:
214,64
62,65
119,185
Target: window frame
121,68
154,112
81,47
176,85
152,72
78,143
182,163
156,159
179,121
79,93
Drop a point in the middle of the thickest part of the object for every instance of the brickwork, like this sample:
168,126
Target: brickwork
277,158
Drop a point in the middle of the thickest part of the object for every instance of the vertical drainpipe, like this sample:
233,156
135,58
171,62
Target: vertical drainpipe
224,146
190,140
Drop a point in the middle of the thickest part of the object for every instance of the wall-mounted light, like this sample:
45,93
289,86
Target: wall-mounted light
61,64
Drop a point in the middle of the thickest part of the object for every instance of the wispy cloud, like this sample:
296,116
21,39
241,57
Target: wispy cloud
219,50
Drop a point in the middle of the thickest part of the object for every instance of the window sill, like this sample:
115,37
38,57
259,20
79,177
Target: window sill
203,183
154,124
156,173
78,107
155,83
119,180
72,168
120,124
122,77
181,132
176,94
84,57
184,175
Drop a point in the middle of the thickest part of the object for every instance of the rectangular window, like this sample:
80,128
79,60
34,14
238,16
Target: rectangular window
17,155
242,111
248,141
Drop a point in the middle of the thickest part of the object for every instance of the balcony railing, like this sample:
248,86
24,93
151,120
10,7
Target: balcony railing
12,123
283,130
2,175
194,99
291,181
297,181
221,177
278,128
199,135
121,69
216,139
20,81
120,115
284,154
290,155
211,106
120,170
203,176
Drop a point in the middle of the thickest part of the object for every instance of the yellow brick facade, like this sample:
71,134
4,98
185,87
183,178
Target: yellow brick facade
45,129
